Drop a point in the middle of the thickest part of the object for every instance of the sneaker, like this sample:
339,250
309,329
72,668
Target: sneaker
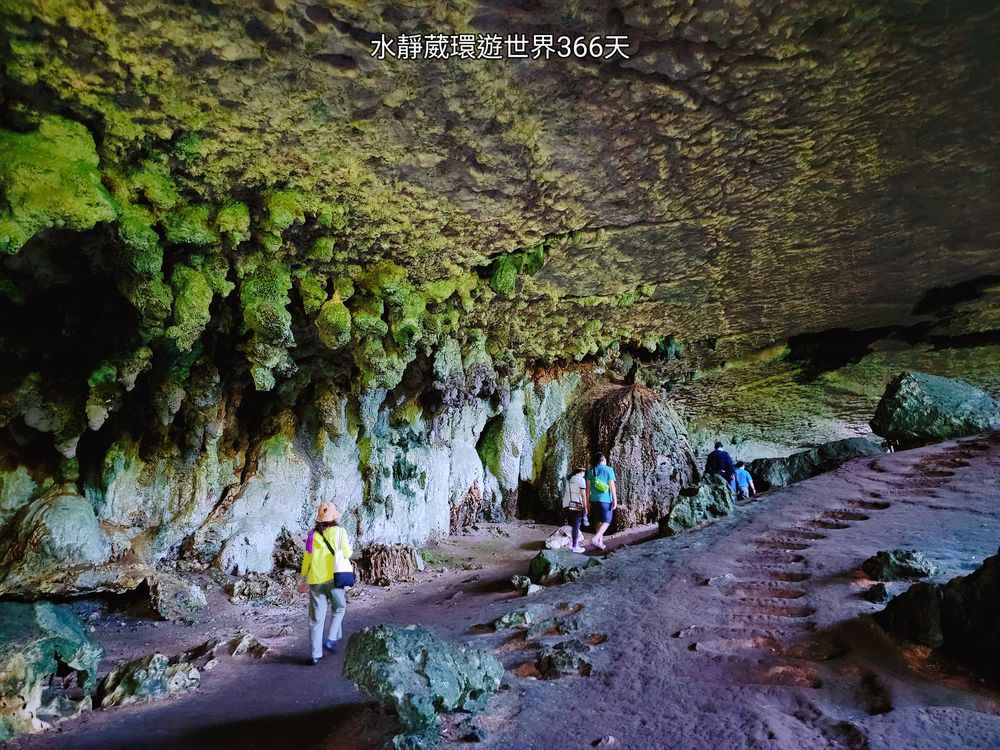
578,549
315,660
330,646
598,543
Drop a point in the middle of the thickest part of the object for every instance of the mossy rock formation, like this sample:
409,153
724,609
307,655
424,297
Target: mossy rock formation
921,408
35,641
420,675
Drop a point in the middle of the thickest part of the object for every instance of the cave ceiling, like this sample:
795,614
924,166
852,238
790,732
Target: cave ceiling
753,171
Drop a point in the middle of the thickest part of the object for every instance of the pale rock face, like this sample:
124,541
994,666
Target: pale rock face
156,504
52,539
397,471
338,479
276,497
16,488
512,447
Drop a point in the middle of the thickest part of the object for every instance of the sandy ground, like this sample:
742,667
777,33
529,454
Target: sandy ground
776,651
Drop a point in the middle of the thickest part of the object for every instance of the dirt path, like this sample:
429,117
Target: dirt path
774,652
752,633
280,701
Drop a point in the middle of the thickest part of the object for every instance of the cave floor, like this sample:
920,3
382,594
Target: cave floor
776,651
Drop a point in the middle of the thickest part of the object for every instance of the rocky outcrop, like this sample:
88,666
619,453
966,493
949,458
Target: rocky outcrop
565,658
706,501
419,675
37,641
769,473
961,617
176,598
643,438
551,567
898,564
55,545
920,408
158,676
151,678
645,441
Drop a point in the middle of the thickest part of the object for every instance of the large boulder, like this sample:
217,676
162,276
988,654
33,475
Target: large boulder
35,639
708,500
418,674
897,564
645,442
769,473
961,617
55,545
648,446
920,408
554,566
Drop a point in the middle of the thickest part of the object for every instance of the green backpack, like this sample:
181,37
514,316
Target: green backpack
599,484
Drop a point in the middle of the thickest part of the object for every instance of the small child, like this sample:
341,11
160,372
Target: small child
575,504
744,482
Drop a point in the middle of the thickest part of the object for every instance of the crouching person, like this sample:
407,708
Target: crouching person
324,575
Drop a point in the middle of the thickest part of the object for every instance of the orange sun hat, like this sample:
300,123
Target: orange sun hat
327,512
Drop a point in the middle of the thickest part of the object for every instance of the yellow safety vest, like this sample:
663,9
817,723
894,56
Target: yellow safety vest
318,561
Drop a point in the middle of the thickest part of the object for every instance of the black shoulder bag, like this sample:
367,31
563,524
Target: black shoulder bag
340,580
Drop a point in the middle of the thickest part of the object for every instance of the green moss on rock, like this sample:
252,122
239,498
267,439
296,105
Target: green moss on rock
233,221
264,299
333,324
191,225
49,178
141,242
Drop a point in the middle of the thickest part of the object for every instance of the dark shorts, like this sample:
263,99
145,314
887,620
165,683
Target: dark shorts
600,512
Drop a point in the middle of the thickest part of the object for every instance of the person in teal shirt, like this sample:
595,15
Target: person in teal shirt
603,497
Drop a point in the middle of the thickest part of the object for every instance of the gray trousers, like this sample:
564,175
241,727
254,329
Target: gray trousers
319,594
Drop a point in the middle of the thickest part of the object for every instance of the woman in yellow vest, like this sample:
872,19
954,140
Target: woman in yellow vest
318,568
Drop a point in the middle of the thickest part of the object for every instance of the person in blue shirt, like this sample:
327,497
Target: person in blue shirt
744,482
603,497
721,463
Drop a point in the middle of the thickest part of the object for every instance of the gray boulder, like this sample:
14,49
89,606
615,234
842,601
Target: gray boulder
897,564
769,473
919,408
961,617
175,598
55,545
708,500
34,640
419,675
551,567
149,678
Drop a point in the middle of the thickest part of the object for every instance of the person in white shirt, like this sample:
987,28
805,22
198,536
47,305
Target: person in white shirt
575,504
